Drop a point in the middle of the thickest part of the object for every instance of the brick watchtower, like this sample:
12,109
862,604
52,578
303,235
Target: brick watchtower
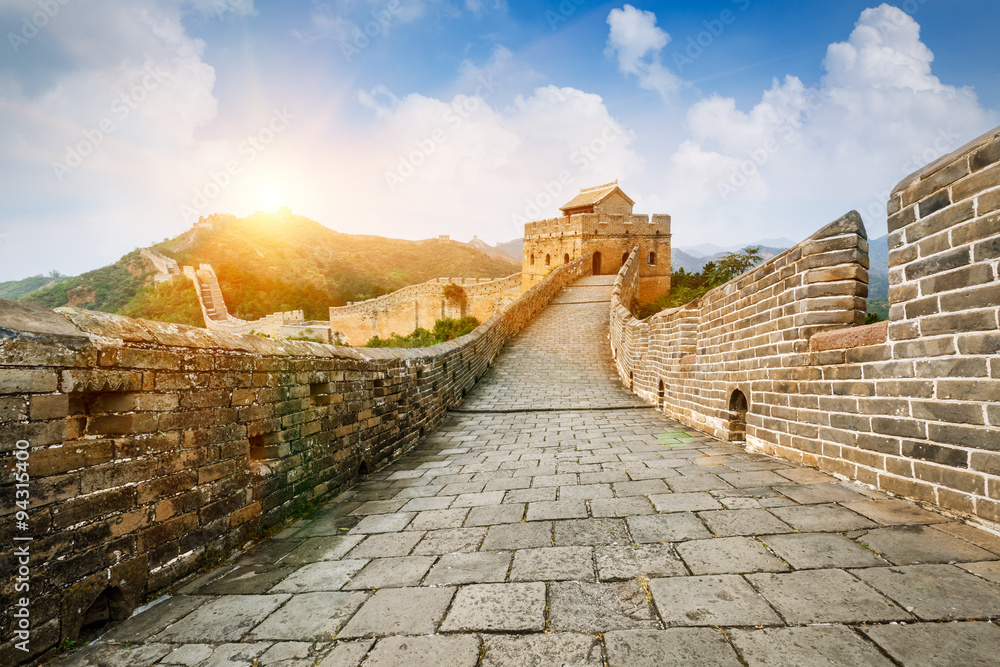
600,221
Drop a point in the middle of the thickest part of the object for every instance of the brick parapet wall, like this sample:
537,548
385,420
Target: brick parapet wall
402,311
911,407
151,445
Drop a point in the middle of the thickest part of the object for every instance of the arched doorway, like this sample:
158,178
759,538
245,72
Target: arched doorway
597,264
566,258
738,407
661,403
624,258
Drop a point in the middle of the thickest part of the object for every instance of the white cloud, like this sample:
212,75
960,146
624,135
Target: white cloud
802,156
636,41
469,165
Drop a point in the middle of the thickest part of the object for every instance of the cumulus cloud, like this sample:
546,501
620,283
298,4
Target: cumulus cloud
470,165
636,41
802,155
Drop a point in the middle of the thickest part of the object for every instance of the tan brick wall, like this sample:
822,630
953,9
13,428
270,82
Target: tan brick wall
422,305
914,411
150,444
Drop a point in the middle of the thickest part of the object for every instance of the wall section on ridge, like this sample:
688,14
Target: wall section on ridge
910,406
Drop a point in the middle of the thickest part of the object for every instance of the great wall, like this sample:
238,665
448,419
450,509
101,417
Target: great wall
155,449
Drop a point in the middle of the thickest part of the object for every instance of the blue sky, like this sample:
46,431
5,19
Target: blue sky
744,119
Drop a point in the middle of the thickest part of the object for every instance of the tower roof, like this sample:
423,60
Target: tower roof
593,195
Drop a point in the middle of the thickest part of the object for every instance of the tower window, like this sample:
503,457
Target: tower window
652,259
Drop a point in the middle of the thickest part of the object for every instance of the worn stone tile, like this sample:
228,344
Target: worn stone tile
585,492
437,519
430,503
322,576
309,617
674,647
383,523
114,655
821,518
497,608
640,488
292,654
450,540
617,563
933,644
548,650
684,502
806,476
806,551
399,611
710,600
347,654
509,537
675,527
590,532
912,545
987,570
437,650
894,512
488,498
971,534
725,523
547,494
553,564
707,482
391,573
825,596
247,580
385,545
576,606
620,507
317,549
935,592
557,509
267,553
419,491
488,516
379,507
811,646
742,480
808,494
728,555
143,625
194,655
225,619
470,568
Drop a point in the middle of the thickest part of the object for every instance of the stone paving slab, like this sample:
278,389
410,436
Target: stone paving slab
676,647
613,518
549,650
932,644
399,611
498,607
811,646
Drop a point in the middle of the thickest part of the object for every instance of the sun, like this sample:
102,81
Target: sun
271,197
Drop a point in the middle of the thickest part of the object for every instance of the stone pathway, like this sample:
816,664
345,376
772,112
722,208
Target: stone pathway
564,534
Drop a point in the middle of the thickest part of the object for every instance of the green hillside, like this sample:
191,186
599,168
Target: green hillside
16,289
265,264
268,263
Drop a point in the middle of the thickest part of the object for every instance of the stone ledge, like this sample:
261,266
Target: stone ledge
869,334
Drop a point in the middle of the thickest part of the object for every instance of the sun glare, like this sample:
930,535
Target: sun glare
271,198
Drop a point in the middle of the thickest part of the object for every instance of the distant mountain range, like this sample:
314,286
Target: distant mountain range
265,263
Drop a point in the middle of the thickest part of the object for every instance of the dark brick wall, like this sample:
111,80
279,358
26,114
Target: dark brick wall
912,408
154,444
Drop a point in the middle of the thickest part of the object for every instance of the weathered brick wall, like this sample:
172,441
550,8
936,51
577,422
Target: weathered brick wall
150,445
421,305
911,406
